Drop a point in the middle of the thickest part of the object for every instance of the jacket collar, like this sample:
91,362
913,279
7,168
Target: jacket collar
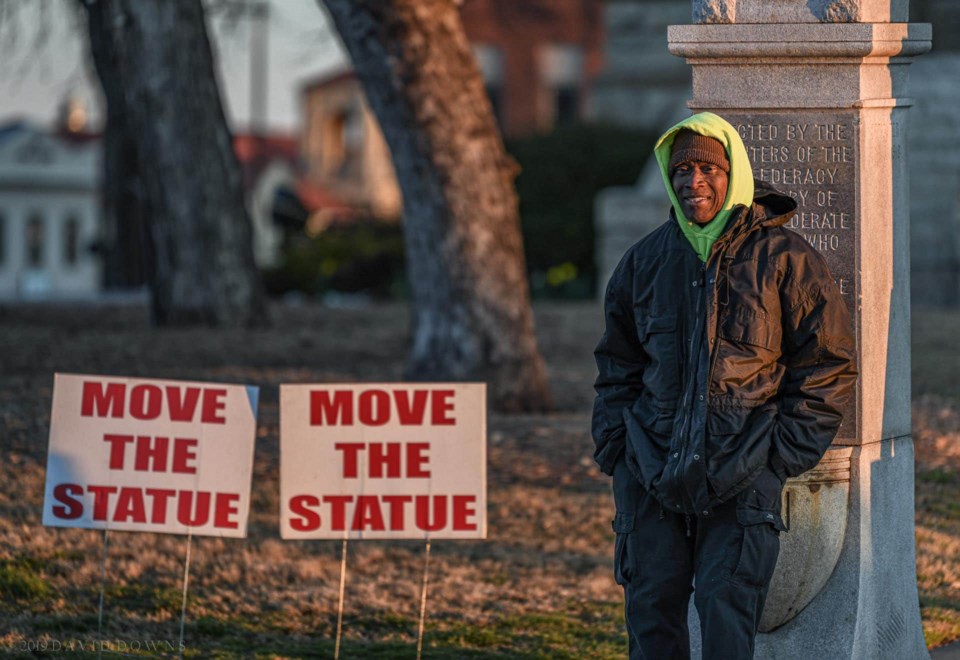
770,208
777,208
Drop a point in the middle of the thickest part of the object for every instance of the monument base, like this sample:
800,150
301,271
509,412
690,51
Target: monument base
869,607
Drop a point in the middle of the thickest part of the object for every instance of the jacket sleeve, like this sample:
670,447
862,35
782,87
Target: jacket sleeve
620,364
820,362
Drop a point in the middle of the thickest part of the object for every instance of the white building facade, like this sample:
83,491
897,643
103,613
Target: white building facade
50,216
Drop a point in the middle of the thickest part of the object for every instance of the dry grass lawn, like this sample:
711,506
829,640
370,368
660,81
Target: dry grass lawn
936,433
540,586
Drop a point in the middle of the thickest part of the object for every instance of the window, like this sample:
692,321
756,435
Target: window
493,93
566,106
343,142
561,79
71,240
35,239
333,142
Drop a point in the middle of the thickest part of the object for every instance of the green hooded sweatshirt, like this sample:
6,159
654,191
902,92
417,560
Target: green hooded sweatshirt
739,189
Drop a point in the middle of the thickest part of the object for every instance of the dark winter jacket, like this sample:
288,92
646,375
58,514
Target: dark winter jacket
708,372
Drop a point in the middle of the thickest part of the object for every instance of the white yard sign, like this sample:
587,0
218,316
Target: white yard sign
383,461
150,455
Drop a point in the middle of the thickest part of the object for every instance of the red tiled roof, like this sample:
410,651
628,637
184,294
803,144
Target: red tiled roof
314,198
265,147
256,152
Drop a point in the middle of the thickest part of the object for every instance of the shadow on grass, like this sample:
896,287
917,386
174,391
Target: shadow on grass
592,630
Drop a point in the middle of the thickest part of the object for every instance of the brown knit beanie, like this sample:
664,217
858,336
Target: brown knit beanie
688,145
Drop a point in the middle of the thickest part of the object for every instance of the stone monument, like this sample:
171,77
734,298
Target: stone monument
641,84
818,91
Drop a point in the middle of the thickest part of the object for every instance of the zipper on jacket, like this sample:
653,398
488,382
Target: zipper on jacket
696,345
726,259
715,347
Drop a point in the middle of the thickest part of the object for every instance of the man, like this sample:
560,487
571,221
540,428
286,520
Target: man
724,369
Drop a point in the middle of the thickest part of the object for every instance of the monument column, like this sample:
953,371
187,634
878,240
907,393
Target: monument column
818,91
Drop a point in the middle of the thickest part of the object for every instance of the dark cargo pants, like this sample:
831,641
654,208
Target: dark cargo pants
730,555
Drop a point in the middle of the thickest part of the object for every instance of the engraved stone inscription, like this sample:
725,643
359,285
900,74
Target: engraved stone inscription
811,156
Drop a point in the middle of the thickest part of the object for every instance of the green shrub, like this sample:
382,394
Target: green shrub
362,257
562,172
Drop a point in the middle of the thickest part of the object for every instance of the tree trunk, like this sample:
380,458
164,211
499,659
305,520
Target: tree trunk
470,300
155,63
126,251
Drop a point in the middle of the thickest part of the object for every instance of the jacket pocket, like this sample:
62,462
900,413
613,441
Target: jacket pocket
658,335
623,526
760,547
626,488
649,434
746,326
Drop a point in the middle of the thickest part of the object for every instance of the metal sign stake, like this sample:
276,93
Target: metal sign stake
343,581
186,584
103,579
423,598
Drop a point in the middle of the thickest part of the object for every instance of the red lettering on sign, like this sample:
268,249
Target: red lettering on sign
226,506
367,514
350,452
416,460
376,407
193,514
410,412
146,402
462,511
184,451
309,520
130,506
213,404
435,521
440,406
338,510
378,513
385,459
324,412
101,499
151,454
396,504
158,515
118,445
149,505
182,402
64,493
102,400
385,455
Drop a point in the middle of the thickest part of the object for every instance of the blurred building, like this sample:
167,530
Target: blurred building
539,60
53,232
641,84
270,166
344,150
50,213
